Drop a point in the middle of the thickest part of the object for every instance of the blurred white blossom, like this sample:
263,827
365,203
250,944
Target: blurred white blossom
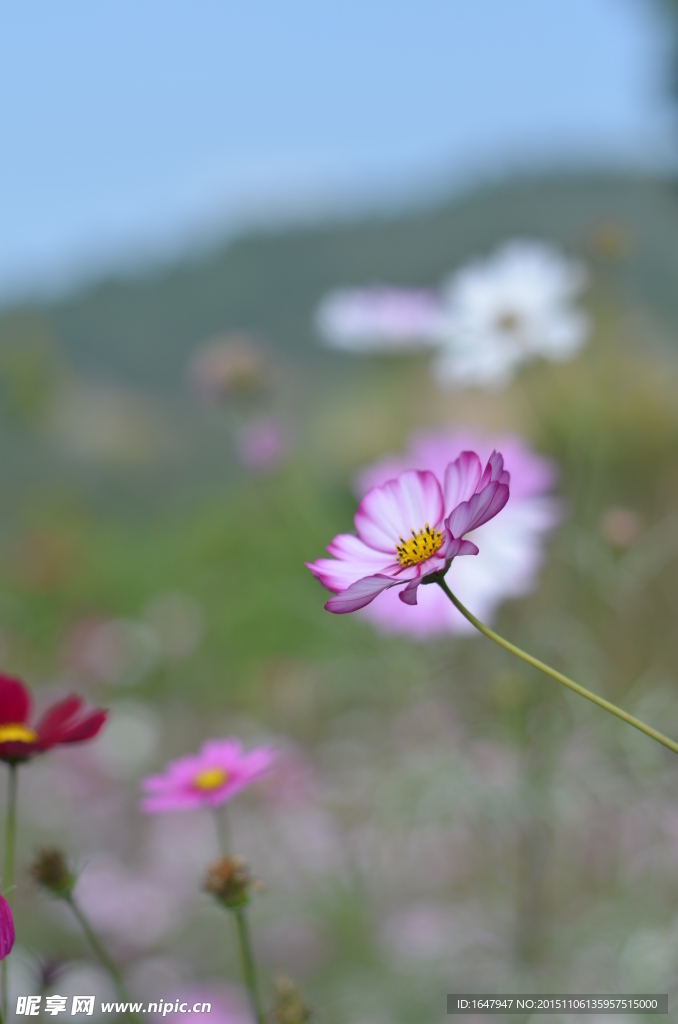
507,309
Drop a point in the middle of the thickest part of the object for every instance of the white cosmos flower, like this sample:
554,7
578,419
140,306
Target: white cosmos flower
505,310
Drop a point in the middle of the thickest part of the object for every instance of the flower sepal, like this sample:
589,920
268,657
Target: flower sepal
230,882
50,870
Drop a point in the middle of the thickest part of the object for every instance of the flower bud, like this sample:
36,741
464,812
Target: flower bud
289,1007
50,870
6,928
229,881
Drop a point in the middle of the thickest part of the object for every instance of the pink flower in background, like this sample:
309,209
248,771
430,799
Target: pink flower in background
227,1004
410,528
208,779
132,907
6,929
262,444
512,544
379,318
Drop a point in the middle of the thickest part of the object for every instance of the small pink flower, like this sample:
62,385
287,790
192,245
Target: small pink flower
262,444
207,779
379,318
411,528
6,929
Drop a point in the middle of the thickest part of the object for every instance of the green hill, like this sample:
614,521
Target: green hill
142,330
128,432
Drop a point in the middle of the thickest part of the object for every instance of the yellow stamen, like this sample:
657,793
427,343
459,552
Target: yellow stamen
15,731
210,778
418,547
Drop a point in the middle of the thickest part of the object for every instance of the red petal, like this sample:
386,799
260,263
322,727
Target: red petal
61,725
87,728
15,701
55,720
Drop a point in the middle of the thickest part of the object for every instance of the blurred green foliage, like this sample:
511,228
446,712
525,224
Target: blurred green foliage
532,837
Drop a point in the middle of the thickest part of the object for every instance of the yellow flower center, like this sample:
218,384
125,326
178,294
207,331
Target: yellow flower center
16,731
418,547
210,778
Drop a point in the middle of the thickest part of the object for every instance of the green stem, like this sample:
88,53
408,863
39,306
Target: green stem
223,825
8,870
10,834
248,966
249,970
99,951
558,676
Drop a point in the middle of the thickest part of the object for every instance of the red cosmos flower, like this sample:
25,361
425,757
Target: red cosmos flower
62,723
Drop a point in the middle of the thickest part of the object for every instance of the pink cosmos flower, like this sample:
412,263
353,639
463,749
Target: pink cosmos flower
380,317
262,444
511,553
411,528
6,929
206,779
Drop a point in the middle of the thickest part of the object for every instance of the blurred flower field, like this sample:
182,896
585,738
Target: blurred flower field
439,817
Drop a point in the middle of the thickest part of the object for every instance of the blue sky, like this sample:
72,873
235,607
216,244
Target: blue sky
132,129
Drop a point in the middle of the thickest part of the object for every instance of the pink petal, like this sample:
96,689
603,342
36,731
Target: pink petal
497,471
353,561
170,802
461,479
392,511
350,548
359,594
408,595
225,753
458,547
478,510
258,761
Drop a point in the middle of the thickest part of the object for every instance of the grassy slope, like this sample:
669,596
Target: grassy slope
176,531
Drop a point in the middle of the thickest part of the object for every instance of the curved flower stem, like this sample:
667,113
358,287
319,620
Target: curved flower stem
100,953
8,869
248,965
558,676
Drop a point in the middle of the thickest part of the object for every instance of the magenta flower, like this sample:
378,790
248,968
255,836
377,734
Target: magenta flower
512,549
6,929
207,779
411,528
262,444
